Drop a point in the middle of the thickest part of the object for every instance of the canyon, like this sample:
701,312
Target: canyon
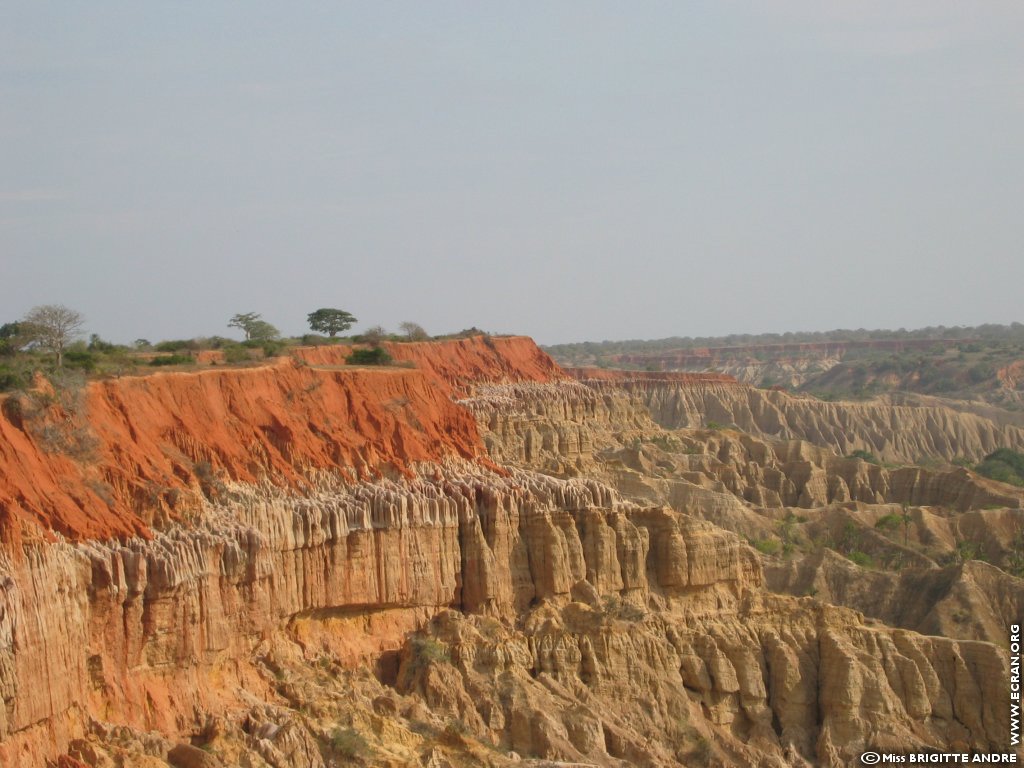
477,557
969,368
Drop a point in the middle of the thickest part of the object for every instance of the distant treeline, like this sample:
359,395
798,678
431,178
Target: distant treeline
989,332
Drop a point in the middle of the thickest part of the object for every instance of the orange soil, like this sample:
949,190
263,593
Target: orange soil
158,435
1012,376
456,365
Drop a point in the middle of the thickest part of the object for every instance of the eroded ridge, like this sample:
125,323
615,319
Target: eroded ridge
480,560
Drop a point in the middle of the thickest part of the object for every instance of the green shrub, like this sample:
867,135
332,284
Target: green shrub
454,733
768,546
701,753
14,377
617,608
171,360
980,373
426,651
862,559
468,333
236,353
372,356
1003,465
80,358
870,458
176,345
422,728
665,442
970,550
888,522
273,347
96,344
348,743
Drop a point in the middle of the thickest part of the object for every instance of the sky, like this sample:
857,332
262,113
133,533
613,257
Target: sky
570,170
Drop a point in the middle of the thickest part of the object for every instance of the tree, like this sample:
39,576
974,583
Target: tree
330,321
414,331
12,338
243,321
52,327
261,330
374,336
253,327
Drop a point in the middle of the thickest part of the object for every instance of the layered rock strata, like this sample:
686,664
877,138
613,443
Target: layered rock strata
910,522
896,433
301,563
138,630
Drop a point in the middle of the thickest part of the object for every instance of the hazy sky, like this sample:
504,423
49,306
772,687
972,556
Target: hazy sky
569,170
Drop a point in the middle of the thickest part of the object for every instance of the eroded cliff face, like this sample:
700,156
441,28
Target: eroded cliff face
595,599
591,428
766,682
892,432
154,440
796,501
351,564
122,455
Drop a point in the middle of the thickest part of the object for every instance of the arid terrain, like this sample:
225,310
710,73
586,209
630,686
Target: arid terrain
479,557
969,367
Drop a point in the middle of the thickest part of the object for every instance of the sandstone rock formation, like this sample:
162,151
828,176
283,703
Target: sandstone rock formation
477,560
896,433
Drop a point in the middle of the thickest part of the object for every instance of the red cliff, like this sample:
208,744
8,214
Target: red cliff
456,365
149,441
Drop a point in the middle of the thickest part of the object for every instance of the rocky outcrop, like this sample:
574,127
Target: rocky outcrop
792,473
896,433
569,428
613,598
556,427
300,563
971,600
768,681
136,626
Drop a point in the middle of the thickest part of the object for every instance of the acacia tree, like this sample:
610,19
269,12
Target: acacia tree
375,335
414,331
253,327
330,321
243,321
52,327
261,330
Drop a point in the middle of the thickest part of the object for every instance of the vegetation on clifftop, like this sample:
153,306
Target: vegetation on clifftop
49,339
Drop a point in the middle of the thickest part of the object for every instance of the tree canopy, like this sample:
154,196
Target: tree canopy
414,331
374,335
254,328
12,337
330,321
52,327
